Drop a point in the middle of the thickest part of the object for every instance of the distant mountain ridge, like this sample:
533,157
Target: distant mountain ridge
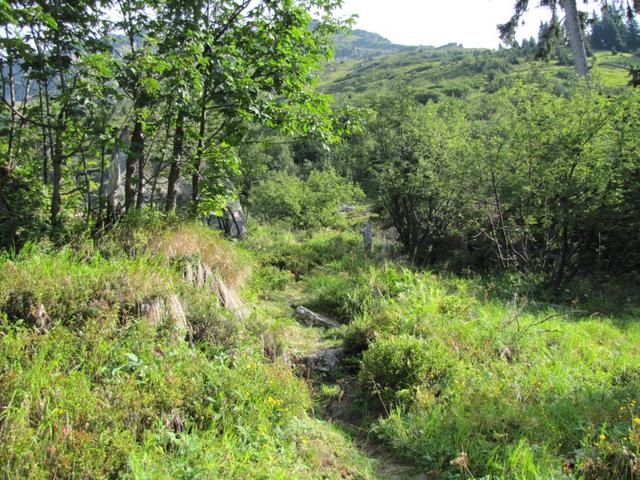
361,43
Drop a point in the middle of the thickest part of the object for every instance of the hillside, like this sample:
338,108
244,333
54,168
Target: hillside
362,44
450,70
214,264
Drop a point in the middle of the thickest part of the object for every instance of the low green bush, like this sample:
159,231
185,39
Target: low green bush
393,368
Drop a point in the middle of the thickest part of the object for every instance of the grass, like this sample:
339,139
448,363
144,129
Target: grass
490,385
91,388
433,73
457,377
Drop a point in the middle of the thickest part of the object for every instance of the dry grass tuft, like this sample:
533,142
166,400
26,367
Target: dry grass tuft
201,243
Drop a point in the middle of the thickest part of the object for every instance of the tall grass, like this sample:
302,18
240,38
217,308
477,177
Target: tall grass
91,387
465,379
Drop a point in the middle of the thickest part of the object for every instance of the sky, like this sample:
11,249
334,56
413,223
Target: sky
437,22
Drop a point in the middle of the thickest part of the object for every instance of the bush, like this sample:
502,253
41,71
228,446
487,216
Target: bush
305,204
393,367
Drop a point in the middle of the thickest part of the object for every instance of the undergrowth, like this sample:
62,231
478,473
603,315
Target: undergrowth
477,377
114,363
117,359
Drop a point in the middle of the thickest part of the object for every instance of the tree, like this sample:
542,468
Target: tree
606,31
633,34
167,87
421,173
236,63
59,47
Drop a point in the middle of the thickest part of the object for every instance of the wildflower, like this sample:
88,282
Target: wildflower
603,437
636,421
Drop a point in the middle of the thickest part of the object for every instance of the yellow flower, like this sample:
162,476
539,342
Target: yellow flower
603,437
636,421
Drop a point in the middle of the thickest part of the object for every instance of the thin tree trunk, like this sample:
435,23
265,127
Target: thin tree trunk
136,151
141,162
12,121
130,169
101,183
115,175
176,161
87,186
195,179
575,36
562,262
23,119
56,196
45,142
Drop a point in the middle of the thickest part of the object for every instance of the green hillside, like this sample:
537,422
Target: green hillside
362,44
227,254
430,73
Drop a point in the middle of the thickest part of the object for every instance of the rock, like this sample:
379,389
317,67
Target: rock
42,320
312,319
177,315
198,274
157,311
229,299
153,310
325,361
344,208
232,222
390,234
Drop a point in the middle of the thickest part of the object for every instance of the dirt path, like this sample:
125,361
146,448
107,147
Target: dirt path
335,396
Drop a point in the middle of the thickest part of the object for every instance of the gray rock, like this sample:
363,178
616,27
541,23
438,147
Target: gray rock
233,221
325,361
313,319
367,235
344,208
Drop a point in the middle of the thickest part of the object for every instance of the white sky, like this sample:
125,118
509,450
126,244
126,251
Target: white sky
437,22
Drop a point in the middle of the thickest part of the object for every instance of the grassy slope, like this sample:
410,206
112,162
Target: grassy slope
452,71
93,388
509,389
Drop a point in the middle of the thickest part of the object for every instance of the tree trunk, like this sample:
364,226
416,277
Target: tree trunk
45,144
174,172
575,36
115,173
56,195
141,162
195,179
136,152
12,121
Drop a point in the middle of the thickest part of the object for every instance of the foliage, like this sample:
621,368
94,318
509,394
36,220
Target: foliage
514,388
393,368
521,179
92,387
104,102
314,202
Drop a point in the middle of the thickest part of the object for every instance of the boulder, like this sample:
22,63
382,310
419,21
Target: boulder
326,361
233,221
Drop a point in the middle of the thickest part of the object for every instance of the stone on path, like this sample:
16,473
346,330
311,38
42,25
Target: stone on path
312,319
325,361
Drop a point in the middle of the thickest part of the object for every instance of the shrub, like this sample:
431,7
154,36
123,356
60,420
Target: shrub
305,204
393,366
